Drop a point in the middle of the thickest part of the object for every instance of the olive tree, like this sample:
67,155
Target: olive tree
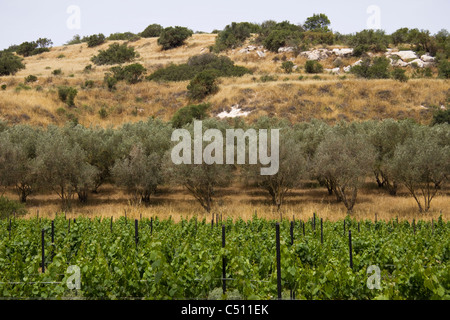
62,166
292,162
202,179
422,164
385,136
139,166
345,158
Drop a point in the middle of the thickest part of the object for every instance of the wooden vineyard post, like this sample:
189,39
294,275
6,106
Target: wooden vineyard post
359,230
278,249
292,232
9,228
321,230
43,250
69,226
111,224
151,225
224,263
414,226
53,240
136,232
314,221
303,225
125,216
350,248
212,223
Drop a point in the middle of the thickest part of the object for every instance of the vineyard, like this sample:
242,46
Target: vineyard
197,259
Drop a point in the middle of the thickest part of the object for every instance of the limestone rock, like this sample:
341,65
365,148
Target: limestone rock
406,55
427,58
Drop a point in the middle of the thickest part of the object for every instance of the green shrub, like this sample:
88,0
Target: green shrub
267,78
4,87
110,82
282,38
399,74
8,207
444,69
132,73
61,56
127,36
312,66
67,95
10,63
372,69
441,116
28,49
287,66
96,40
57,72
89,84
30,78
87,68
223,65
318,22
173,37
203,84
369,40
153,30
115,54
234,35
189,113
103,113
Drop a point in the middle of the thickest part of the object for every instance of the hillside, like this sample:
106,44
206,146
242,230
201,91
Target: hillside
331,97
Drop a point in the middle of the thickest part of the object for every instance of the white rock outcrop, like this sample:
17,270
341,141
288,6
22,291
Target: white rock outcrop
235,112
344,52
427,58
285,49
334,70
405,55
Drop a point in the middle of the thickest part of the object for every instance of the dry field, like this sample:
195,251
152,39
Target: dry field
237,202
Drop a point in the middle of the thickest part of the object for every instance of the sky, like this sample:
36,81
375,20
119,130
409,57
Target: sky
60,20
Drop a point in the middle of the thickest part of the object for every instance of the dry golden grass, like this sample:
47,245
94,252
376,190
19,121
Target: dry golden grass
331,98
239,202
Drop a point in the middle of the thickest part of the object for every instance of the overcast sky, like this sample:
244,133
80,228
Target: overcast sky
60,20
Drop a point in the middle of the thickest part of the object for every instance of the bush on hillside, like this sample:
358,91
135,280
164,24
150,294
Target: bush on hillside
153,30
204,84
96,40
132,73
127,36
312,66
369,40
372,69
115,54
234,35
223,65
399,74
10,63
67,95
189,113
173,37
27,49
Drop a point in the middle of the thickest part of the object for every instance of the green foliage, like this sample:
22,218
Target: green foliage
4,86
30,78
8,207
369,40
115,54
173,37
95,40
287,66
10,63
203,84
89,84
318,22
110,82
372,69
132,73
75,40
278,38
128,36
103,113
188,114
441,116
28,49
267,78
444,69
67,95
312,66
223,66
399,74
57,72
153,30
234,35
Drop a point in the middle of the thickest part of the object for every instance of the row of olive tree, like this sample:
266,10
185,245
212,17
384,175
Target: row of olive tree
74,161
